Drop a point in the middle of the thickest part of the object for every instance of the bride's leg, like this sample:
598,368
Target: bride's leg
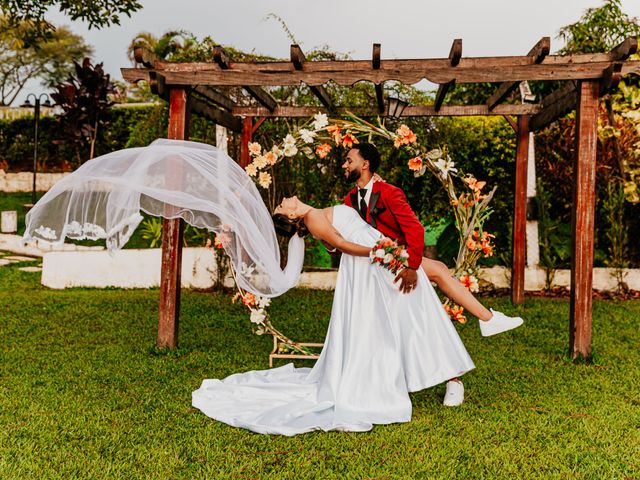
452,288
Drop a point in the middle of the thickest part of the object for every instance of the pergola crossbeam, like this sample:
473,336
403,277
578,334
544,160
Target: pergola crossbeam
220,117
375,65
410,111
537,54
555,105
298,59
627,48
454,57
223,60
214,97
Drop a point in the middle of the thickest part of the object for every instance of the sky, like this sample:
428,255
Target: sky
405,29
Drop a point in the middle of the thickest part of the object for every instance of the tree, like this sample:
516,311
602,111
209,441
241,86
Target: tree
599,29
84,100
31,14
52,61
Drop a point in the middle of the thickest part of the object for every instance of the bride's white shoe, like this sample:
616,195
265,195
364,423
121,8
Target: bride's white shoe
454,395
499,323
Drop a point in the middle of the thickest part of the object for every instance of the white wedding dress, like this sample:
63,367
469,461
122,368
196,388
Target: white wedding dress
381,345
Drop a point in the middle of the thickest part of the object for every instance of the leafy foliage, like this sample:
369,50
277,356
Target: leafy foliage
84,101
599,29
31,15
51,61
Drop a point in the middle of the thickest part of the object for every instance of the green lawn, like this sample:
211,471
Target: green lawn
84,394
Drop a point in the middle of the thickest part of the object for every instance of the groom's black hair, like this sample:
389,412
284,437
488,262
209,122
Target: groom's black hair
287,227
369,152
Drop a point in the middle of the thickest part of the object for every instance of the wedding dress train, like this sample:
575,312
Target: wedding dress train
381,345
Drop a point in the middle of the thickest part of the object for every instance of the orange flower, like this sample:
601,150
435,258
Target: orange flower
471,244
487,248
348,140
470,282
323,150
415,164
454,202
474,184
456,314
334,131
249,299
217,242
271,158
397,142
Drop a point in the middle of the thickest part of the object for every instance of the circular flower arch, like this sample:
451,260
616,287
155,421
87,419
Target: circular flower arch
320,135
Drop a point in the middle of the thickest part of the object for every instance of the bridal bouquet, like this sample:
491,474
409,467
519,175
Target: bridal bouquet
388,254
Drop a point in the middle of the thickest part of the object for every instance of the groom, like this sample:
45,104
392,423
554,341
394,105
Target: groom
385,208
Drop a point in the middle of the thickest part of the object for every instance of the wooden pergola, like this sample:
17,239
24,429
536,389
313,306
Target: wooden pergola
198,88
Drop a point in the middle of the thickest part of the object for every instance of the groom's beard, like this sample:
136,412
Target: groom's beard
354,176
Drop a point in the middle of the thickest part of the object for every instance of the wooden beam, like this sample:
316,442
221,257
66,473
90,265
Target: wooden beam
245,139
511,122
257,122
157,85
298,59
215,97
410,111
454,56
555,105
220,117
145,57
348,72
375,64
537,54
611,78
224,62
627,48
583,220
172,229
520,212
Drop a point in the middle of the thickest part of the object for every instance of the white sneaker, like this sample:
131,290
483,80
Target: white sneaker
499,323
454,396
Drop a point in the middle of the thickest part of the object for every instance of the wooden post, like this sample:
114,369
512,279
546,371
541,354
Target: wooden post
520,212
169,309
245,138
582,219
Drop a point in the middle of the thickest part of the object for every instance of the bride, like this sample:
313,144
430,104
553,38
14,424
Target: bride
380,346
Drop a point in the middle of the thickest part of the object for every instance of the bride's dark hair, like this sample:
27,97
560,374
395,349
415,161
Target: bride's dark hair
288,227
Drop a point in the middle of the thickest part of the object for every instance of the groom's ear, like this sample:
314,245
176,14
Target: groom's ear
365,165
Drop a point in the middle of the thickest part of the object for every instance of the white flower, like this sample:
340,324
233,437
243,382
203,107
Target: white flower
289,141
380,253
264,179
320,121
251,169
404,254
260,162
445,165
263,302
307,135
290,151
254,149
276,151
247,270
387,258
257,316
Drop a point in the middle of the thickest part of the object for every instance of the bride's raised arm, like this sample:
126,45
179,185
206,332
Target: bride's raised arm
320,227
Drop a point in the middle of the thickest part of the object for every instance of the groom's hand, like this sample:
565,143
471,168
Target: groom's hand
408,280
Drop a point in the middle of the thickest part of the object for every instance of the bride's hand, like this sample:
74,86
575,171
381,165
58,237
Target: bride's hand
377,178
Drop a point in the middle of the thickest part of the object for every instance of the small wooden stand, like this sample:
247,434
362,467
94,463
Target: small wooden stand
293,356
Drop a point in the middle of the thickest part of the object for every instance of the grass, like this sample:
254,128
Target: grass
84,394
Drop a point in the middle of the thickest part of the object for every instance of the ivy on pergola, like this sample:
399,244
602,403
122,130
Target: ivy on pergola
198,87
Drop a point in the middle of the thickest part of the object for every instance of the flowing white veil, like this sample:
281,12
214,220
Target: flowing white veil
170,178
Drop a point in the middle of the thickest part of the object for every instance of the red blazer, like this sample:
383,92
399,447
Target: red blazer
390,213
